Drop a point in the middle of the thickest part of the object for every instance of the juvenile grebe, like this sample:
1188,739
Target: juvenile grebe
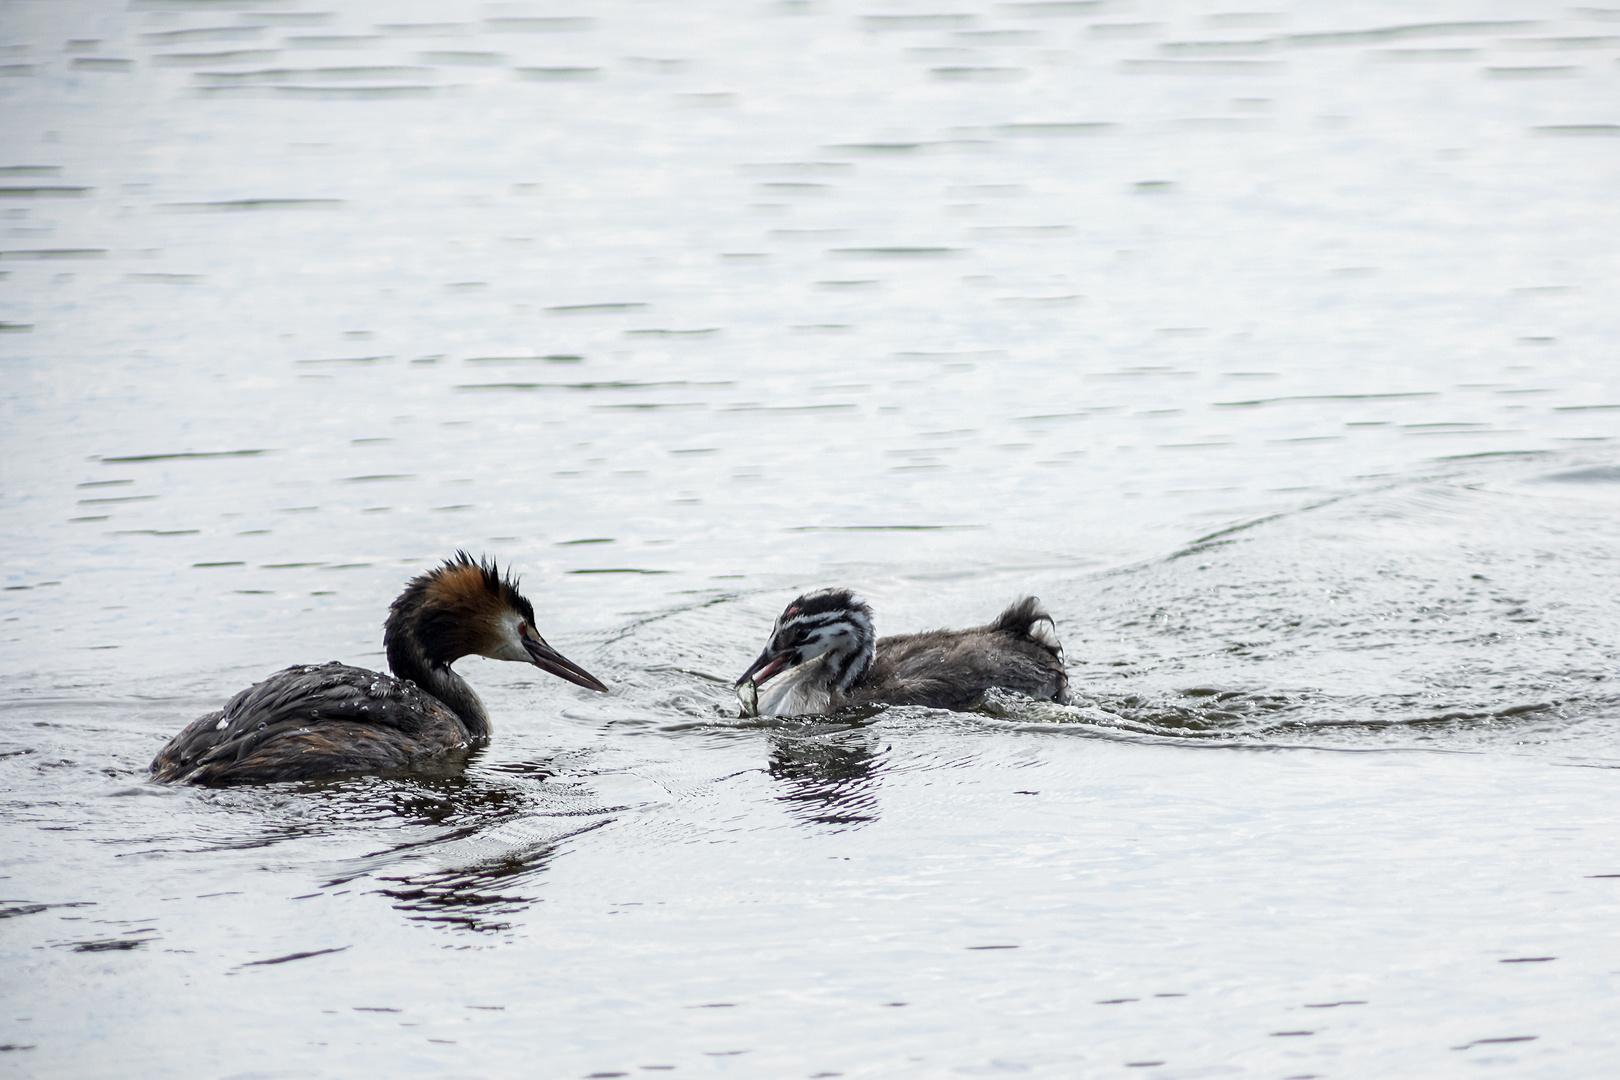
825,645
322,720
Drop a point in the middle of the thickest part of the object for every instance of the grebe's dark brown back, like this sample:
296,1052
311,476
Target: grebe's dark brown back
322,720
828,657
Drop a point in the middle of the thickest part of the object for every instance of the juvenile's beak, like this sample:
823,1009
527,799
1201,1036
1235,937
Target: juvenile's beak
546,658
768,664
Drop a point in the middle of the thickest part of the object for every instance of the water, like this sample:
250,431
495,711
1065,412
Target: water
1272,348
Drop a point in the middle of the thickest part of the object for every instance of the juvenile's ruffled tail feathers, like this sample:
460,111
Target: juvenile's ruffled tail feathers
1028,618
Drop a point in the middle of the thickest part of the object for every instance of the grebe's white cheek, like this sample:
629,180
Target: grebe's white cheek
509,644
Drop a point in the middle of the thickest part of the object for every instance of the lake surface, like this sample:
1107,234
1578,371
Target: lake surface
1273,347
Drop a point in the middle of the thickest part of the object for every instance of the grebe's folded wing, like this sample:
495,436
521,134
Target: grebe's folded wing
312,720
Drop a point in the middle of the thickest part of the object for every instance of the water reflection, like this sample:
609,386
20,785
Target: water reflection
482,898
827,777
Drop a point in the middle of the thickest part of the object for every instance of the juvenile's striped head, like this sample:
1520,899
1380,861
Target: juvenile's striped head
834,623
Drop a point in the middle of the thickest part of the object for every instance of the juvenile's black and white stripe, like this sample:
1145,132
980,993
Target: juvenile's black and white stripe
827,657
824,644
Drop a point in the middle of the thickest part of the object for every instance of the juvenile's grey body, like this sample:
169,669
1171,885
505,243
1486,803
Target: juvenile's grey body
827,658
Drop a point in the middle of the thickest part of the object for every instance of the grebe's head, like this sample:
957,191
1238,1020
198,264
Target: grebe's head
467,607
828,621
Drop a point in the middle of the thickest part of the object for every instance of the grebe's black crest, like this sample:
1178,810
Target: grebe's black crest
828,657
324,720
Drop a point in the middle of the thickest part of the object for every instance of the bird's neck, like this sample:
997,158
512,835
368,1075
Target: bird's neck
845,666
845,670
408,661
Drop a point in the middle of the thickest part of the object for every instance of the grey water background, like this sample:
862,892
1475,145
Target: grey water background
1272,345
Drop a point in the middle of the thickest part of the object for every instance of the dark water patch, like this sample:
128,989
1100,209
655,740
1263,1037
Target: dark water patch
1322,397
611,384
1483,455
652,406
1216,48
998,37
232,56
105,945
284,75
1205,67
707,331
1066,300
331,41
1229,123
163,279
1057,129
663,66
16,328
44,192
1053,9
748,406
18,71
54,253
554,358
796,167
1414,30
183,455
7,171
593,309
1594,474
1502,1039
557,74
102,63
916,22
440,29
377,478
156,532
11,909
826,777
618,570
461,58
293,18
486,897
204,33
881,528
881,147
540,24
348,360
118,499
895,252
290,957
1541,71
1585,408
1426,55
979,74
1561,43
231,206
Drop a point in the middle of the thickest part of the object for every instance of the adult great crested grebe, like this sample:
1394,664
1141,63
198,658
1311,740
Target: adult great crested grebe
323,720
829,658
